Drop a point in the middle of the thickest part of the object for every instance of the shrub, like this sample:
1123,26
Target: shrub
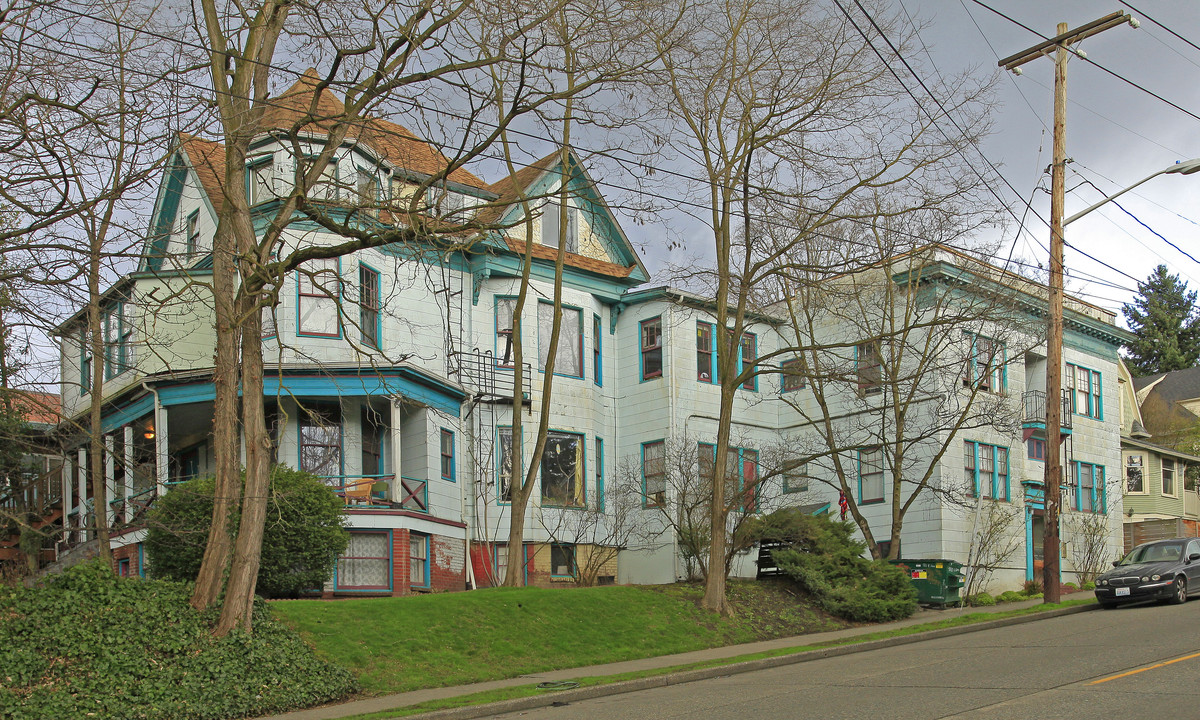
981,600
1070,586
1032,587
1011,596
90,644
1091,585
827,562
303,536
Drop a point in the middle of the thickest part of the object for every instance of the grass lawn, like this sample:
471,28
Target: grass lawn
408,643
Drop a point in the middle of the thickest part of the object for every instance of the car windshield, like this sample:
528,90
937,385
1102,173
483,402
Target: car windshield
1152,554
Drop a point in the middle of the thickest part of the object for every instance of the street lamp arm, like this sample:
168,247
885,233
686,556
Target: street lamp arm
1183,168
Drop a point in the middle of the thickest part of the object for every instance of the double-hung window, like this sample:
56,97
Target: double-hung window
747,359
597,358
870,475
1087,483
260,180
366,188
192,235
562,560
418,560
1135,478
792,375
599,474
654,473
504,463
505,306
562,470
985,367
321,441
987,470
568,357
446,442
705,357
796,479
85,360
118,339
319,285
651,348
1168,476
552,229
368,305
1086,395
868,363
1036,449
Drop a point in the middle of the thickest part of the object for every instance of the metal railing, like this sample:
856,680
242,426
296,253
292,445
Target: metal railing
486,375
1035,408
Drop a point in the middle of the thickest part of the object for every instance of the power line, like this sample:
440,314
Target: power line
1161,25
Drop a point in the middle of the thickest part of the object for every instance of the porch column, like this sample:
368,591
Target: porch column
110,480
128,473
162,465
396,450
68,503
82,488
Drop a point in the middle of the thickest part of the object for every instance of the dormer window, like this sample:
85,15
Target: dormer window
324,187
260,180
192,234
450,205
366,186
552,227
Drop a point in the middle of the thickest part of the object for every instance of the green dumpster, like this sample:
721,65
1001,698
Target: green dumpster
937,582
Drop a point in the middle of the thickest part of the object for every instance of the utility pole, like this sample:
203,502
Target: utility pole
1055,403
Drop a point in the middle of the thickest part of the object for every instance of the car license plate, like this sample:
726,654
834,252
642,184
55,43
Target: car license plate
1120,591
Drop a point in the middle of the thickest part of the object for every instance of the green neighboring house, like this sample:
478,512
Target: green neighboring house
1160,491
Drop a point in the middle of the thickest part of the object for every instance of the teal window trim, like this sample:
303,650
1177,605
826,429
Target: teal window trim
597,352
388,560
426,563
118,340
501,430
580,472
85,361
600,474
744,365
790,382
645,350
564,548
369,306
500,338
998,480
862,499
307,415
706,357
1093,405
999,374
796,479
252,166
191,231
579,344
1096,494
331,191
658,501
446,454
334,296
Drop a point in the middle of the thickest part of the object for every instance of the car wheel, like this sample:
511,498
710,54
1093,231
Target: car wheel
1180,595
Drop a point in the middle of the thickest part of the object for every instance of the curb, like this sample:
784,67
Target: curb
686,676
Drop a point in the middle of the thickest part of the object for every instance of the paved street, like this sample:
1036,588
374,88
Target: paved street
1057,668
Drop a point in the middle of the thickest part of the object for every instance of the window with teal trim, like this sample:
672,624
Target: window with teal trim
446,441
562,560
1087,484
796,478
321,441
868,364
192,235
367,562
986,368
987,470
651,348
597,357
368,305
870,475
568,356
654,474
504,463
599,474
747,357
562,470
741,473
792,375
324,187
1087,398
706,364
552,229
85,360
505,306
118,339
418,560
319,284
260,180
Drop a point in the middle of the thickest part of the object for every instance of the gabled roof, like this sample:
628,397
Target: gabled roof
207,160
38,408
390,141
1175,386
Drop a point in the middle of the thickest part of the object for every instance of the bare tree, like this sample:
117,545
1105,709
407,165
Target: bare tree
993,543
790,118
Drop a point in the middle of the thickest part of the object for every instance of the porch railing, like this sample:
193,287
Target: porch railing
381,491
1035,408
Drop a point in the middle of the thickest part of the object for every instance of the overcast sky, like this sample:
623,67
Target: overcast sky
1116,133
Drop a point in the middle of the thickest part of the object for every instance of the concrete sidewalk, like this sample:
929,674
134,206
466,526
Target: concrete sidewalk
400,700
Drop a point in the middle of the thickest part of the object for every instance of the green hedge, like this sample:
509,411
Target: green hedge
90,644
827,562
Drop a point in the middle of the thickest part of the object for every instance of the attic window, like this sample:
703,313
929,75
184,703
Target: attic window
552,227
260,179
450,205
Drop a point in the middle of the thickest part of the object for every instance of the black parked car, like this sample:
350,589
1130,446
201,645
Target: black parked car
1162,570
